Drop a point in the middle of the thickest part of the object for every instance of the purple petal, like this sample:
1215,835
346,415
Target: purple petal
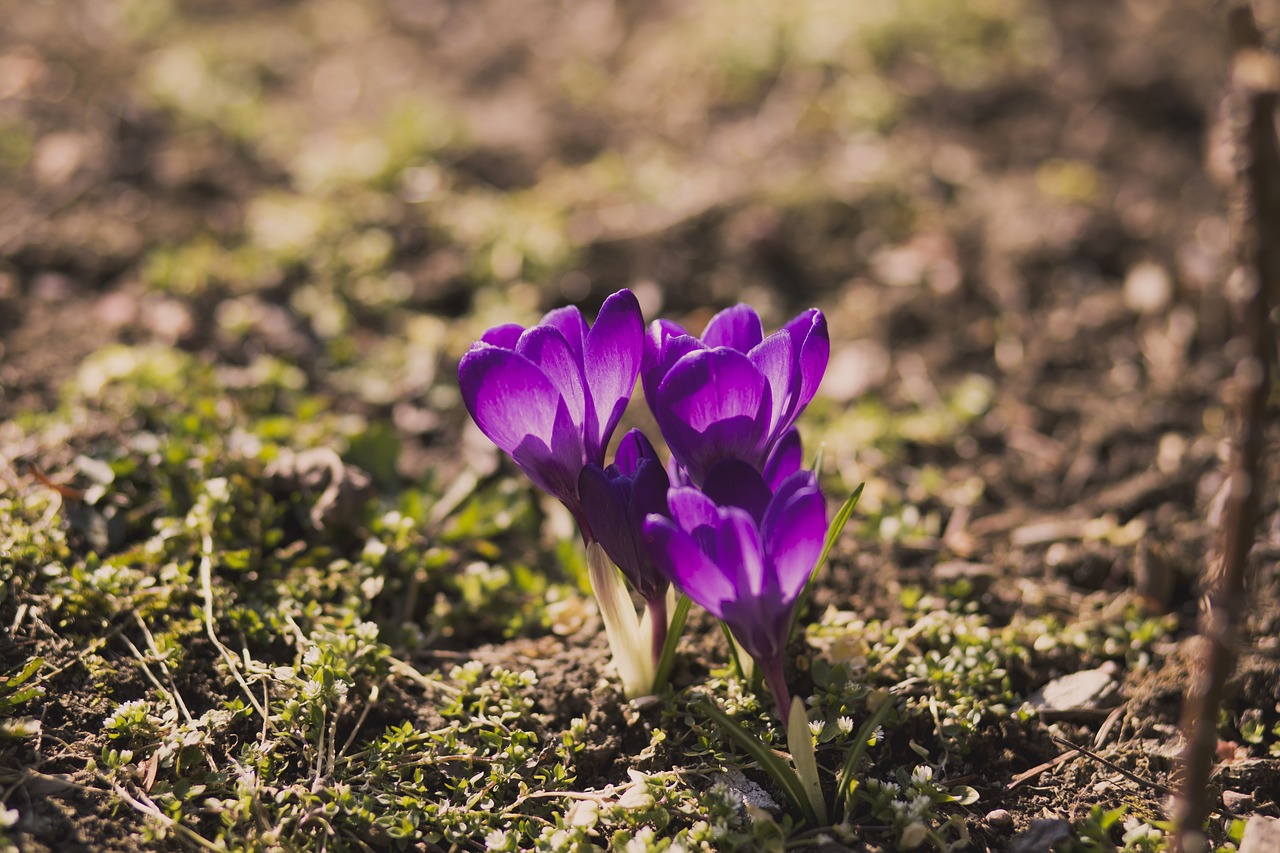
677,473
611,361
554,466
504,336
683,562
738,328
604,505
570,323
649,490
546,347
794,528
739,553
691,509
633,448
759,625
732,482
785,458
664,344
809,331
508,396
714,405
775,358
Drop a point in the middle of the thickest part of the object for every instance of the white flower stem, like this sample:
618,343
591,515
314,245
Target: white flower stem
632,656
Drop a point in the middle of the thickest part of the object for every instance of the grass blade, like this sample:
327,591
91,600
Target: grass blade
733,653
800,742
765,757
674,630
847,783
833,534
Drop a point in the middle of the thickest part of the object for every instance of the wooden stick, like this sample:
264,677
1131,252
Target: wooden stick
1251,109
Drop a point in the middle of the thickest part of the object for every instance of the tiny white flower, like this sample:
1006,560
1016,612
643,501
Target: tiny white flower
921,806
845,725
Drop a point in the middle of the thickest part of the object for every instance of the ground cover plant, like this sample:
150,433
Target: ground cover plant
266,585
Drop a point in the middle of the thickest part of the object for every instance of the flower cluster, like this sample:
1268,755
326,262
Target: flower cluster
733,522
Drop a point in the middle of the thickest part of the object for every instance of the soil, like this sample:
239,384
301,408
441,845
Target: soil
1099,319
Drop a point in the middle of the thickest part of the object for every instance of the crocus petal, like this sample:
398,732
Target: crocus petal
691,509
649,490
554,465
604,505
793,531
714,405
785,458
775,358
809,332
504,336
738,328
611,361
508,396
664,344
732,482
570,323
759,626
634,447
739,552
546,347
685,565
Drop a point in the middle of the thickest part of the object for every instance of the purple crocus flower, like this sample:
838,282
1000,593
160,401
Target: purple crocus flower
745,554
734,394
616,500
551,396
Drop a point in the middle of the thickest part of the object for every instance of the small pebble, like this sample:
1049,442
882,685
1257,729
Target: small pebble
1237,801
1261,835
999,817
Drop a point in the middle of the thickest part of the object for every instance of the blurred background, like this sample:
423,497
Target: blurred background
1001,204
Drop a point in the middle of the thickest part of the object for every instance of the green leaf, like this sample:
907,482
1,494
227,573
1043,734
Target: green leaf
848,783
765,757
833,533
733,652
29,669
800,742
674,630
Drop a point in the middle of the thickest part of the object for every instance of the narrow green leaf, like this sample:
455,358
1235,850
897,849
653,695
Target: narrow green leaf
674,630
800,743
733,652
848,783
28,670
764,756
833,533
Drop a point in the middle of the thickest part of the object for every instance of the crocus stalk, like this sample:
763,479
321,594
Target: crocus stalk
636,666
745,554
615,501
734,393
551,396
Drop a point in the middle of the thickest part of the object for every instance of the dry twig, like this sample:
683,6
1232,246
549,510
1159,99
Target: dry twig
1251,109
